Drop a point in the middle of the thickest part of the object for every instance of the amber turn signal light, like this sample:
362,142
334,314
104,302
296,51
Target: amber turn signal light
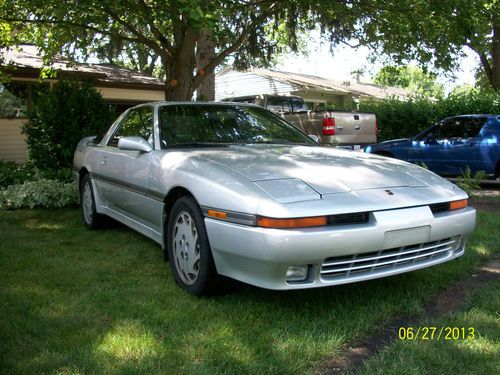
455,205
304,222
217,214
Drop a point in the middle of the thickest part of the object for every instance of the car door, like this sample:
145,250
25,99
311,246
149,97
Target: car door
123,174
450,146
434,146
465,150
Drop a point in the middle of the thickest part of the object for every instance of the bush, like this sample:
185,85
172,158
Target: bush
40,193
14,174
400,119
59,119
469,183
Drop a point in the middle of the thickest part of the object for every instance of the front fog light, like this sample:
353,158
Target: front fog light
296,273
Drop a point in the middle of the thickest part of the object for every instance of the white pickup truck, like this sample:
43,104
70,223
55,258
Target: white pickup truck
339,128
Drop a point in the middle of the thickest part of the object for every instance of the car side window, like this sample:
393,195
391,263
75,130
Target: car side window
278,104
298,105
138,123
457,128
472,126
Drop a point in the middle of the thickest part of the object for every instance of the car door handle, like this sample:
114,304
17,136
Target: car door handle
340,128
103,162
357,127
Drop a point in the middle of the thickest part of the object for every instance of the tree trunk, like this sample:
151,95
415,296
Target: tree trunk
178,82
495,57
180,67
205,53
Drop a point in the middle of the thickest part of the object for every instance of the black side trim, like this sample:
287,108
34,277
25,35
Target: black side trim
130,187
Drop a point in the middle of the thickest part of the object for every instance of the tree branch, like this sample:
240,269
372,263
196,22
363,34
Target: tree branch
140,37
71,24
226,52
484,62
157,33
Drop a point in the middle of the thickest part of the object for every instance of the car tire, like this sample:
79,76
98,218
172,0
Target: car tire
189,250
90,217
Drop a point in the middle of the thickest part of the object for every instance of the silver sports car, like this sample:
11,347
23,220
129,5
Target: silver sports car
232,190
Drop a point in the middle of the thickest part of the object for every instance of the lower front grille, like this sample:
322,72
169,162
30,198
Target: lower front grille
385,260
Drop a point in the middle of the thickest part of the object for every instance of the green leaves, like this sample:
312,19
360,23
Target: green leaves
40,193
402,119
59,119
413,78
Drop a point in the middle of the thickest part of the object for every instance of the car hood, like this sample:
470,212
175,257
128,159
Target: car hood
326,170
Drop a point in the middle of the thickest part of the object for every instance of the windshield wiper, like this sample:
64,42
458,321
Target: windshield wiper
198,144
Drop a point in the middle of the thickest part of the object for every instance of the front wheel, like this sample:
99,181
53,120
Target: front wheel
91,218
188,249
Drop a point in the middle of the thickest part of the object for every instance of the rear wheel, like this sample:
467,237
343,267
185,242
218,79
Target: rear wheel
188,249
91,218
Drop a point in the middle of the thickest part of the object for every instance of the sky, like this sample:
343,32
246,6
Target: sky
339,65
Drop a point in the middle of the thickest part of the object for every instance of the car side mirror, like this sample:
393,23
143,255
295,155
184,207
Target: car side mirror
314,137
134,144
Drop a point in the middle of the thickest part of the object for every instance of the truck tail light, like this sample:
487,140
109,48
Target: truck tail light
328,126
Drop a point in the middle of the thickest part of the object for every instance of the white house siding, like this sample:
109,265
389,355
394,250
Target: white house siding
12,144
234,84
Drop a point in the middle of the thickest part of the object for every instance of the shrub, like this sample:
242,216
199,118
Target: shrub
40,193
59,119
400,119
12,173
470,183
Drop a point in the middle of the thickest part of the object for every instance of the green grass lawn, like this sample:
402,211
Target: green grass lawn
480,355
77,301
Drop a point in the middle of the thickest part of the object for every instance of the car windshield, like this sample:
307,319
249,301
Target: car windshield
202,125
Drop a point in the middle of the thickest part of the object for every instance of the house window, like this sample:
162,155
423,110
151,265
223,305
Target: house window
13,99
16,98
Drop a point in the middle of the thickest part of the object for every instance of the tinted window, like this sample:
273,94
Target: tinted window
463,127
459,128
181,124
279,104
298,105
138,123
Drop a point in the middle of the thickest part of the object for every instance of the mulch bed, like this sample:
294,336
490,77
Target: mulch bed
485,204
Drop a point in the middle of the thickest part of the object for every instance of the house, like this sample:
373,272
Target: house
121,88
318,92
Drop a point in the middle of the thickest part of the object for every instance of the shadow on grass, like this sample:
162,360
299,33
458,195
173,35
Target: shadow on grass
104,301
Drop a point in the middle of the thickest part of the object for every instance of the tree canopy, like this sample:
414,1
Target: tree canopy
165,29
411,77
251,32
434,32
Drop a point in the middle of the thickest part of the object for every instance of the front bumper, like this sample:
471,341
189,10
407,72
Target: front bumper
261,256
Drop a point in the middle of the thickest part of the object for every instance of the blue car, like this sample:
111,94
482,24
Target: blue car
451,145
